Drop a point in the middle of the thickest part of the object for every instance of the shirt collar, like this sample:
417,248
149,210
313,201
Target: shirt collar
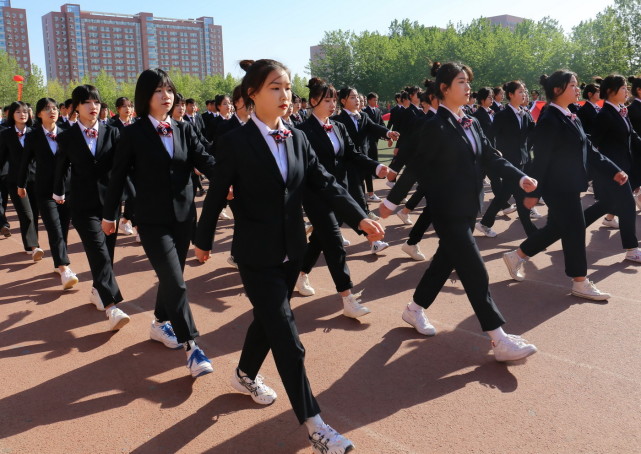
349,112
565,112
239,120
618,108
596,106
155,122
319,120
264,129
431,109
54,132
83,128
637,99
21,132
515,110
456,117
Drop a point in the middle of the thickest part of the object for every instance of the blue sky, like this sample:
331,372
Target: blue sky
285,30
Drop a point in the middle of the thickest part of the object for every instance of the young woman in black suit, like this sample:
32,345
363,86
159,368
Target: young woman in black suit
335,151
511,129
12,141
634,109
87,148
263,158
484,114
498,94
588,111
224,107
161,154
239,117
449,165
563,161
40,147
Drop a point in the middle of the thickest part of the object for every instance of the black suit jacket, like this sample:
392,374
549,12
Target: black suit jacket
164,191
393,116
587,113
197,122
486,123
336,163
212,127
406,122
497,106
449,170
634,112
11,152
37,152
366,128
89,173
615,137
510,138
564,158
268,216
407,149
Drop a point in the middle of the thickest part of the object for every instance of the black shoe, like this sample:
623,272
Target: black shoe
5,231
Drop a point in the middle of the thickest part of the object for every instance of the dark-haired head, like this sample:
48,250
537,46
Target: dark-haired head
178,108
218,100
611,87
556,84
497,91
397,97
372,95
18,106
344,95
82,94
236,95
429,93
256,76
120,102
511,87
148,81
44,103
68,103
447,73
636,86
319,90
590,90
404,96
483,95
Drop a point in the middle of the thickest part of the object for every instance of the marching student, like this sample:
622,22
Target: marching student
41,147
563,160
192,116
393,112
588,111
239,118
498,94
634,109
103,116
511,129
263,158
12,141
449,165
88,147
484,114
223,107
335,151
295,116
376,115
161,154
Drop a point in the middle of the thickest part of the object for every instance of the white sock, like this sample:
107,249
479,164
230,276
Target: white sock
415,307
314,423
497,334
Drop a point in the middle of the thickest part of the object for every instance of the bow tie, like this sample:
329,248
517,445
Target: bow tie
126,123
91,133
355,115
280,135
521,113
52,136
20,134
624,112
572,118
328,128
465,122
597,109
164,129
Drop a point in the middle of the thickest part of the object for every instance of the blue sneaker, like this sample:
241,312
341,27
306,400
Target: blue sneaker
164,332
197,363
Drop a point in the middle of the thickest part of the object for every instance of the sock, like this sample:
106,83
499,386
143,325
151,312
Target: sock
109,309
189,345
415,307
313,423
497,335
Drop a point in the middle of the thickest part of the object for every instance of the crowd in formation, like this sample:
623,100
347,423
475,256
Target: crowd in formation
139,174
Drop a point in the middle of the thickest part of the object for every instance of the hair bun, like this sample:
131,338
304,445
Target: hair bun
543,79
631,79
582,86
598,80
314,81
435,67
428,82
246,64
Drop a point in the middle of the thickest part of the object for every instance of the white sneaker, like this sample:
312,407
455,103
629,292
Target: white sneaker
223,215
260,392
197,363
514,264
138,238
378,246
325,440
117,318
390,184
634,255
541,202
637,198
512,348
126,228
418,320
413,251
610,223
487,231
37,254
231,262
372,216
352,306
405,218
164,332
587,289
345,242
96,300
373,198
68,279
508,210
303,287
534,214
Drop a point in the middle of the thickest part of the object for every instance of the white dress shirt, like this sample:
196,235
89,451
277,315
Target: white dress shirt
23,132
167,141
332,135
53,145
278,149
91,142
618,108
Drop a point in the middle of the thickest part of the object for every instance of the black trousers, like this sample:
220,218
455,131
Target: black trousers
458,251
372,152
56,219
100,252
4,201
415,199
195,180
326,237
166,246
356,188
27,210
129,211
421,225
500,201
496,183
269,290
618,199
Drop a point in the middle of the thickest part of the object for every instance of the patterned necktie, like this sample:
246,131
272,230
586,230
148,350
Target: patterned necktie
280,135
164,129
572,118
624,112
52,136
355,115
19,134
465,122
328,128
91,133
597,109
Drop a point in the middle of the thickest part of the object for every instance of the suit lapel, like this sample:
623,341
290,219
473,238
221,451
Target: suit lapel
263,151
153,137
102,131
176,131
449,118
291,159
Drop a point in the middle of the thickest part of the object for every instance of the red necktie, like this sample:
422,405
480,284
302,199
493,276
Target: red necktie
466,122
91,133
52,136
328,128
164,129
279,135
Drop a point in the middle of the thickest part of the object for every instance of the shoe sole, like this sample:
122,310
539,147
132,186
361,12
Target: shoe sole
70,283
356,315
37,256
509,270
241,389
6,232
305,293
171,347
591,297
204,371
413,326
120,324
378,251
525,355
632,260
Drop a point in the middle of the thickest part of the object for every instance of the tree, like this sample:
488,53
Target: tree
107,87
56,91
299,86
8,87
34,86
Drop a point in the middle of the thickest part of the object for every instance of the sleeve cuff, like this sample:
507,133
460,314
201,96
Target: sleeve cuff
390,205
57,197
521,182
378,169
